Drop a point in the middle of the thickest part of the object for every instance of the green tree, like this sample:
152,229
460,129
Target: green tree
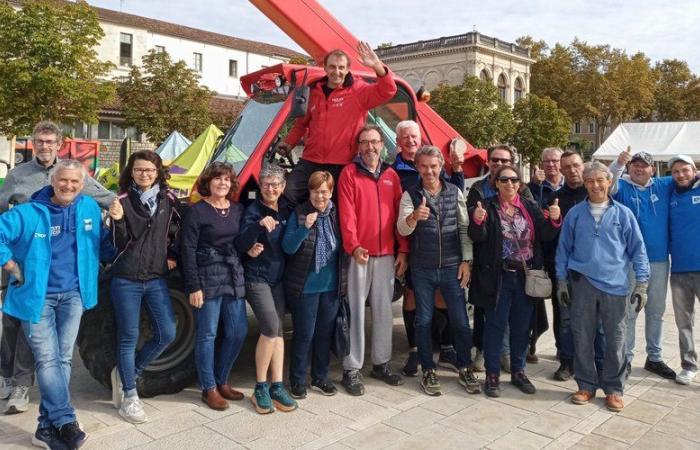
674,83
540,123
537,48
162,96
475,109
48,64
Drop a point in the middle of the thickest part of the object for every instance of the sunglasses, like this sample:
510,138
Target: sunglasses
500,160
513,180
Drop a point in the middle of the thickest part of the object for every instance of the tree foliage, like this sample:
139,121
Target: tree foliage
540,123
48,64
162,96
676,93
475,109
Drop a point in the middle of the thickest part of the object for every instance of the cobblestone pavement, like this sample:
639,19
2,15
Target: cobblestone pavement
658,413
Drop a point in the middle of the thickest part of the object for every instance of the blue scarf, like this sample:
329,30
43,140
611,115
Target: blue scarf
149,197
325,238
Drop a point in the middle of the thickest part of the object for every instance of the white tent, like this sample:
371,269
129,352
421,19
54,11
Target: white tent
660,139
173,146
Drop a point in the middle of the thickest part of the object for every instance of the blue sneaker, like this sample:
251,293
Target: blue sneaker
281,398
48,438
261,399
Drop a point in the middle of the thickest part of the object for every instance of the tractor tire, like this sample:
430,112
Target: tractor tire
170,373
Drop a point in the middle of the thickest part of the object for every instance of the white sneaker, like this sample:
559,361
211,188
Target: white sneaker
685,376
6,387
19,400
117,392
478,363
132,410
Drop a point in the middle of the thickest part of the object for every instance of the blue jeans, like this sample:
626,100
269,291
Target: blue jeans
214,365
313,317
52,341
513,310
127,297
653,312
425,283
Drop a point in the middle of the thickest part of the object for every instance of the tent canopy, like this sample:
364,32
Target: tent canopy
185,169
660,139
173,146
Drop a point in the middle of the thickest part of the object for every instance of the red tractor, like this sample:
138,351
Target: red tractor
277,96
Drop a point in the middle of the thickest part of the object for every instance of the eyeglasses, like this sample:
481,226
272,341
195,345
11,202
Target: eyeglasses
500,160
41,143
513,180
550,161
146,171
274,185
370,141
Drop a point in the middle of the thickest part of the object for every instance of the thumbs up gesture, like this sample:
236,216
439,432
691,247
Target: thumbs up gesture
479,213
538,175
625,156
422,212
554,211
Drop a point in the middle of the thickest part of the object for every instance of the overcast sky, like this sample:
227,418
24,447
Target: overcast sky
660,29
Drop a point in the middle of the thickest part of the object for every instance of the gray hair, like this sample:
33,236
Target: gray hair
48,127
406,124
67,164
596,166
272,171
432,151
553,150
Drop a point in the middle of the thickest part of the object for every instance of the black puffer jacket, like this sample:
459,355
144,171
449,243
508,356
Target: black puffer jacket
300,263
488,251
145,242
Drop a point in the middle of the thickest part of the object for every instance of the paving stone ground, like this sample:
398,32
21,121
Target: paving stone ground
659,414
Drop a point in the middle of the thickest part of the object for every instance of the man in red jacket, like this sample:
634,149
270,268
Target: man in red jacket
369,193
338,106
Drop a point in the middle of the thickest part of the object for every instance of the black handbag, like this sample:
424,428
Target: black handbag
341,336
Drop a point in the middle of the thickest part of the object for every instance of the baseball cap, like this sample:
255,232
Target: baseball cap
643,156
684,158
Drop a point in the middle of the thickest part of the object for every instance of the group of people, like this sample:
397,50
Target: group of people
338,231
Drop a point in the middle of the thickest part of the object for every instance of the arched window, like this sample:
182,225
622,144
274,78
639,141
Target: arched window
518,89
502,87
484,75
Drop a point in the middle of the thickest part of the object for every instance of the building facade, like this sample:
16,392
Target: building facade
450,59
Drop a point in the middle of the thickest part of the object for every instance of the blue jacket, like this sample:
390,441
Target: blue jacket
650,206
25,237
410,177
602,252
685,229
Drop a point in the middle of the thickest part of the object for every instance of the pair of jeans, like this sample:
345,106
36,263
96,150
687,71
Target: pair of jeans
425,283
313,318
591,307
653,312
214,364
127,297
52,340
513,310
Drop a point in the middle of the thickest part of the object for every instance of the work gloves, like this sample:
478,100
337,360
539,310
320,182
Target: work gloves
639,295
563,293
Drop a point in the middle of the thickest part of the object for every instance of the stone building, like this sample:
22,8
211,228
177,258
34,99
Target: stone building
449,59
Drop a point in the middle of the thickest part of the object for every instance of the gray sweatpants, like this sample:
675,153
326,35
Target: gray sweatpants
685,287
589,307
373,281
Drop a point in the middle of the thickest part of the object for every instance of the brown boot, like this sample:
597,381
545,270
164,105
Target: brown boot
229,393
214,400
582,397
614,402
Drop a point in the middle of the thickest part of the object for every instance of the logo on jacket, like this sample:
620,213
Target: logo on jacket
55,230
40,235
388,182
337,102
88,224
696,199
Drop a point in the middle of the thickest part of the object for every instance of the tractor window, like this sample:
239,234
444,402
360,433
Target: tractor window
388,115
249,128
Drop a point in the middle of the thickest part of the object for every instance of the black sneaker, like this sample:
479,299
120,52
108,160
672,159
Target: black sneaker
352,382
564,372
492,386
522,382
324,387
448,359
660,368
297,390
383,372
628,371
48,438
72,435
411,367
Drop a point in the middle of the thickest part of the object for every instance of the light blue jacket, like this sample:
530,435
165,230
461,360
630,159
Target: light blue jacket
25,237
602,252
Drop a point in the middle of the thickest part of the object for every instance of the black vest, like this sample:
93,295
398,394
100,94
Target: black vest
435,242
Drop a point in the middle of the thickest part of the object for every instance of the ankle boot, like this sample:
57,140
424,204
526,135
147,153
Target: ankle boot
214,400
